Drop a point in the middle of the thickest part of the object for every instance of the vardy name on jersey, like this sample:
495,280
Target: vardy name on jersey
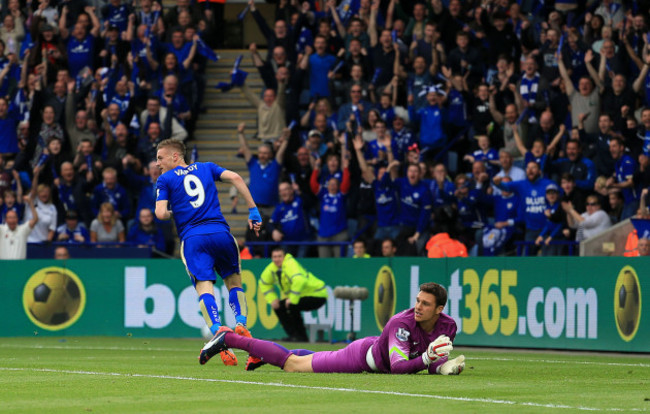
194,198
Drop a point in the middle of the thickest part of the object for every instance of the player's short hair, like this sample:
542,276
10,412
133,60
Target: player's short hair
278,249
174,144
436,290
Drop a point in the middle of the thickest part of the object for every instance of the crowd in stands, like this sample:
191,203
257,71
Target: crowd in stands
450,128
415,127
87,90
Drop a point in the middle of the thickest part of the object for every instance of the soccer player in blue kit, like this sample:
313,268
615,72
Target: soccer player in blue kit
188,193
414,340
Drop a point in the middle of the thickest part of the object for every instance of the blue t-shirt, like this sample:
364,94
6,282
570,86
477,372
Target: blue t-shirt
430,119
533,196
319,66
624,170
441,196
332,213
290,219
415,204
264,181
118,16
491,155
385,201
80,54
193,198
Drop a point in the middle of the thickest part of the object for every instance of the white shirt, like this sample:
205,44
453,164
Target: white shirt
593,225
47,217
13,244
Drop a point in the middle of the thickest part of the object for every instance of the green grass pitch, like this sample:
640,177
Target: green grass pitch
138,375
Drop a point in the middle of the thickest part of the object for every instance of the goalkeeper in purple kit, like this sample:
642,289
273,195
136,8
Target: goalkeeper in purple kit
414,340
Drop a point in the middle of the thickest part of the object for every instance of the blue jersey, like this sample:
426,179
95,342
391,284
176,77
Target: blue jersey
624,170
193,198
386,201
441,195
532,195
551,228
264,181
332,213
290,219
415,204
80,54
430,119
486,157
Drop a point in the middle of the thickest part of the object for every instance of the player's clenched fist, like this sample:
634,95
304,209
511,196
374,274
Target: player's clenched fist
440,347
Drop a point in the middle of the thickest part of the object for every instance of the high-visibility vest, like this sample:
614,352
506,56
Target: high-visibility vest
441,245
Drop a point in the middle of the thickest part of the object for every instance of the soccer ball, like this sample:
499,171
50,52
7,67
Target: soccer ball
627,303
55,299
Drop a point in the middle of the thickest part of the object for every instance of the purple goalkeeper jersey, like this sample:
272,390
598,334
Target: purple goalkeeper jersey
398,350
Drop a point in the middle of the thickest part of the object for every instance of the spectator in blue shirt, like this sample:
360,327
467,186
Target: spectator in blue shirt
415,209
582,169
319,64
8,125
72,231
80,43
622,178
264,169
507,220
485,153
401,136
442,189
386,202
354,111
471,214
532,192
145,232
289,221
333,225
110,191
430,120
554,222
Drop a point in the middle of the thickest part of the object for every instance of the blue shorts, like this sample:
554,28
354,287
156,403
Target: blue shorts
203,254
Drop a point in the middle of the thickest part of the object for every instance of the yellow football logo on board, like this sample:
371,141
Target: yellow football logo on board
385,296
627,303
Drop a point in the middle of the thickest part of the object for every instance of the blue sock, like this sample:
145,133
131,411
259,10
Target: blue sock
237,300
210,311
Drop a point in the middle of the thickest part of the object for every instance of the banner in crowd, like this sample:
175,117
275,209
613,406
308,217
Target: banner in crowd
553,302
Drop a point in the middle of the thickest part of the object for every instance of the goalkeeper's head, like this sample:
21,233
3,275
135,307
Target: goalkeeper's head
439,292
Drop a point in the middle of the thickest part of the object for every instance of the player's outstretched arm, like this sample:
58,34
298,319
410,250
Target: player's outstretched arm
254,218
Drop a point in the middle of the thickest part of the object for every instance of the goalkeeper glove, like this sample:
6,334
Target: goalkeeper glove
254,215
440,347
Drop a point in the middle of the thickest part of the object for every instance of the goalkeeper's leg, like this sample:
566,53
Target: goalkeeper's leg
271,353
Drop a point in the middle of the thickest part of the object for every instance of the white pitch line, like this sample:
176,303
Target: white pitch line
237,351
551,361
335,389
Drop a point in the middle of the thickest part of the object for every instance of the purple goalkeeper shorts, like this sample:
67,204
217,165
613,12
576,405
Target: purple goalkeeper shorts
349,360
